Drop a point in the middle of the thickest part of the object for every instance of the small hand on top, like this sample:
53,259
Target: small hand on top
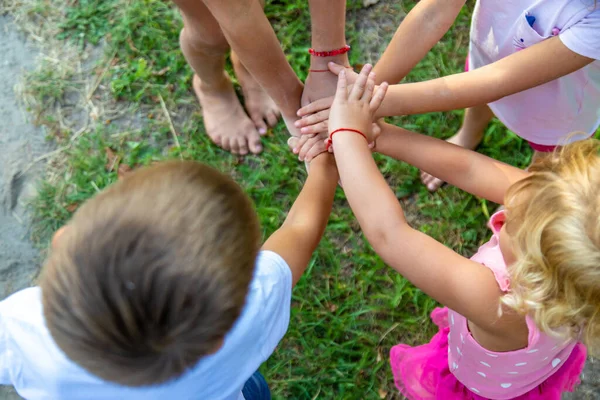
310,144
318,85
354,108
314,116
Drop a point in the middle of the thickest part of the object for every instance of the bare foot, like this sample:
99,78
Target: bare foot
224,118
461,139
260,107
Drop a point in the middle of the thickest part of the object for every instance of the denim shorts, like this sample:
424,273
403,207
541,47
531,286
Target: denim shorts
256,388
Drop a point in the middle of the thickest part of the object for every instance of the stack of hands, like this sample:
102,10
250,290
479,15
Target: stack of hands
352,108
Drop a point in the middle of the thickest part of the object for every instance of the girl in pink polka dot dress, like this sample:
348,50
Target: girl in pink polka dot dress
521,312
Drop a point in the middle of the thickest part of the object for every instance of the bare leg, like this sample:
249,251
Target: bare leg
469,136
205,47
259,51
258,104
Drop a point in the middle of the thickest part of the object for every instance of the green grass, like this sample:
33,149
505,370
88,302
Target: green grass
350,308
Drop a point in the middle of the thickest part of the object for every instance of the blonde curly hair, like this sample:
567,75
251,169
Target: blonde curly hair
553,219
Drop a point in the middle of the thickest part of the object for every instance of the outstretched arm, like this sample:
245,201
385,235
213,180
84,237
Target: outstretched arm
420,30
463,168
449,278
328,32
303,228
457,282
550,60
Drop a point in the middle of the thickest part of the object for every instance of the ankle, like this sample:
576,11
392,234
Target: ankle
470,133
219,83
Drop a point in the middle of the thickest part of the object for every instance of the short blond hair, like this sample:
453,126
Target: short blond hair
152,273
553,219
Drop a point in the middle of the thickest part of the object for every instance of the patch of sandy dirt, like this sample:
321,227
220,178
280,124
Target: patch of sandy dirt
21,144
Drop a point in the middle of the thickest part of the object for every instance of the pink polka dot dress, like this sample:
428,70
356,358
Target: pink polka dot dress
454,366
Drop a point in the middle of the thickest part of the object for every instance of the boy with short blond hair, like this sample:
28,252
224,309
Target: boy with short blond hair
158,289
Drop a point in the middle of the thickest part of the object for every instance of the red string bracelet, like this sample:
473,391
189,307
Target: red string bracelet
330,140
329,53
323,70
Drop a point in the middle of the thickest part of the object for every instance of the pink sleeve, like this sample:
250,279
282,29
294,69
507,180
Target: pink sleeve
584,37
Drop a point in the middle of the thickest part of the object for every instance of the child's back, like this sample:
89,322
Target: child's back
38,369
542,367
157,290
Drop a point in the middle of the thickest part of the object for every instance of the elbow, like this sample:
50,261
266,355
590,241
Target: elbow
383,237
380,242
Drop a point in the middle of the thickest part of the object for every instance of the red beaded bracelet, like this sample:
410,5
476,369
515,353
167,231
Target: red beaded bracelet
330,140
330,53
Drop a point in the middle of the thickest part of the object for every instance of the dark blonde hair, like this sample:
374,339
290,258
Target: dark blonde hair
152,273
553,219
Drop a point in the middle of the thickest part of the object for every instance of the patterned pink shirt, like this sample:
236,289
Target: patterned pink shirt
508,374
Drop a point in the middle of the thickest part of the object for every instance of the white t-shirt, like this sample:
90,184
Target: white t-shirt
547,113
37,368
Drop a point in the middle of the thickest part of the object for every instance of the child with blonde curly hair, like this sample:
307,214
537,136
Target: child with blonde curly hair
518,314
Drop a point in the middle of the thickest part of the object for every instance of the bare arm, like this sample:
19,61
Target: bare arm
328,32
303,228
260,51
449,278
466,169
550,60
420,30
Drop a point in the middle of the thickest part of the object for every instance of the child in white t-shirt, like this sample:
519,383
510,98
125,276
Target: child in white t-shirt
159,289
533,63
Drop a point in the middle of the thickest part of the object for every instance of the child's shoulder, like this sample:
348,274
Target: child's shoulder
270,266
24,306
269,297
262,324
27,350
22,323
270,291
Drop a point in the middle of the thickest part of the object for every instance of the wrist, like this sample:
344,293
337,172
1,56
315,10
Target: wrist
326,162
356,134
393,103
322,63
345,137
290,108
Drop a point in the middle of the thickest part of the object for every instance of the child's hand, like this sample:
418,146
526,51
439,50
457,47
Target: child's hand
355,108
314,116
308,146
